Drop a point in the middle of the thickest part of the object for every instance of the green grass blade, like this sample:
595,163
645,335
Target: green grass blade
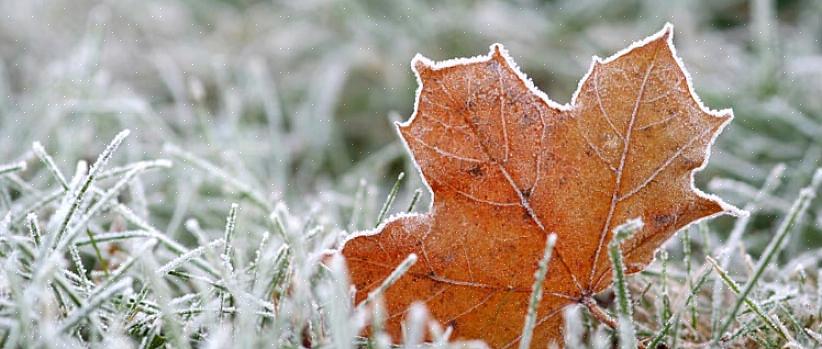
536,293
11,168
798,209
755,307
625,317
392,278
392,195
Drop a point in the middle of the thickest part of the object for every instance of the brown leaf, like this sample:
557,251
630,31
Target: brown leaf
507,166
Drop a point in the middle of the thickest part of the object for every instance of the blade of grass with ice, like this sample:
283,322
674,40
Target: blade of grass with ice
230,226
209,168
740,225
93,303
188,256
34,228
392,195
798,209
625,320
756,308
11,168
392,278
77,197
536,293
98,206
48,161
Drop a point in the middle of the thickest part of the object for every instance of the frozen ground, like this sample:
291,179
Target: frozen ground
285,108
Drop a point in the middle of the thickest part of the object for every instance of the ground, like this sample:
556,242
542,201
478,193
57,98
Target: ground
287,109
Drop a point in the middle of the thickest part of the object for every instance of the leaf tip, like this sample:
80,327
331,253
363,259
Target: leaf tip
498,51
667,31
421,64
727,114
403,127
723,207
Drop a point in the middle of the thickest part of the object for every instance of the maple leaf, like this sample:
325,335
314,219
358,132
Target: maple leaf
507,166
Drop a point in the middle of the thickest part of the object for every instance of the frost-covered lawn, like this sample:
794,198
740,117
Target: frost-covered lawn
261,135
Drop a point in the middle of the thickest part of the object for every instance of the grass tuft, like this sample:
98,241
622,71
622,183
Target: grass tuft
134,252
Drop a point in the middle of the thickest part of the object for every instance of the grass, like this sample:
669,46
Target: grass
261,136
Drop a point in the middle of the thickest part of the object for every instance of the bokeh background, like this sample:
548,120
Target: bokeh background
297,98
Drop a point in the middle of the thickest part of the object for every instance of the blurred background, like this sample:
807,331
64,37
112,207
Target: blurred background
293,101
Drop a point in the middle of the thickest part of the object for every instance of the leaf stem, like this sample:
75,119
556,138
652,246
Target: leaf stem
598,313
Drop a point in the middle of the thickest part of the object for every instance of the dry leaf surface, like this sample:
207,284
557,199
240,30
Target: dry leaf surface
507,166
